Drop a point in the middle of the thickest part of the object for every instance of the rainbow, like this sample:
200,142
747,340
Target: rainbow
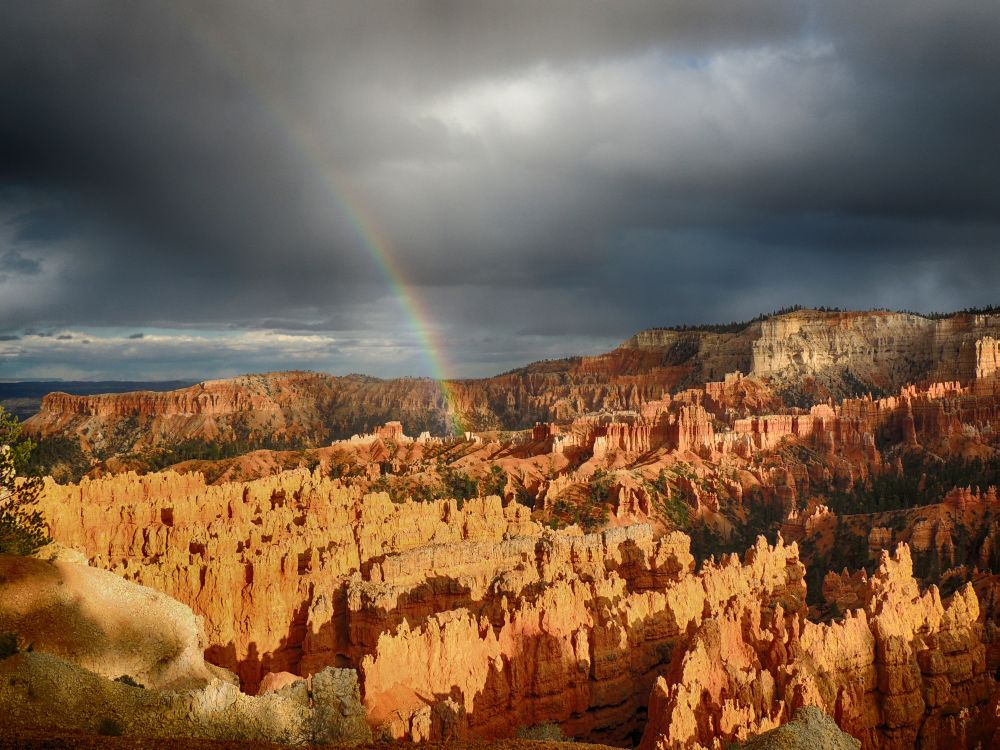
372,239
378,249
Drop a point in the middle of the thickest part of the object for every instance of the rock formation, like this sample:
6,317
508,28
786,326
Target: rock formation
905,671
880,350
471,620
102,623
575,634
551,627
254,558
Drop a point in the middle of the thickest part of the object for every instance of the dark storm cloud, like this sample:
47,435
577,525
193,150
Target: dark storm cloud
548,176
15,262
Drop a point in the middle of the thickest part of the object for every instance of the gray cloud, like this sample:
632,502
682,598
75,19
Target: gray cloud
14,262
546,177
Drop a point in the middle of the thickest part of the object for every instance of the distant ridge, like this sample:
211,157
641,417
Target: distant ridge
24,397
800,355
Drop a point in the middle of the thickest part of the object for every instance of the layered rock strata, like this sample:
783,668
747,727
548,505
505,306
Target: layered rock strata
838,353
879,350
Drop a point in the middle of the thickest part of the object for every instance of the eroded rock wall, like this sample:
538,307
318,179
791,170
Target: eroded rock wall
905,671
575,633
253,558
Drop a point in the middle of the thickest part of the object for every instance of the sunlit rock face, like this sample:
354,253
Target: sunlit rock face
261,561
892,674
102,622
509,621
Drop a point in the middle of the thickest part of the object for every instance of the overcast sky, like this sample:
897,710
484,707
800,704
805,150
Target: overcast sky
181,183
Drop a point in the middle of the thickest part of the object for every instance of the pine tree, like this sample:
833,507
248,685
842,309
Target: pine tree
22,528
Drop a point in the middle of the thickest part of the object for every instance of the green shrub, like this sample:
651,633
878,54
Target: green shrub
494,482
22,529
522,496
457,484
60,457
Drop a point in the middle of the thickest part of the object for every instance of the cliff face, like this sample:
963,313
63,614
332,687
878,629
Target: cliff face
880,350
711,355
843,351
276,408
314,408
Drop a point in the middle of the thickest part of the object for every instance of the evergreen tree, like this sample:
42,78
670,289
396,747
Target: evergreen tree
22,529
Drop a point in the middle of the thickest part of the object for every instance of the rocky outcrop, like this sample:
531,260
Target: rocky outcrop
711,355
987,357
41,691
949,540
575,633
913,417
675,425
103,623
